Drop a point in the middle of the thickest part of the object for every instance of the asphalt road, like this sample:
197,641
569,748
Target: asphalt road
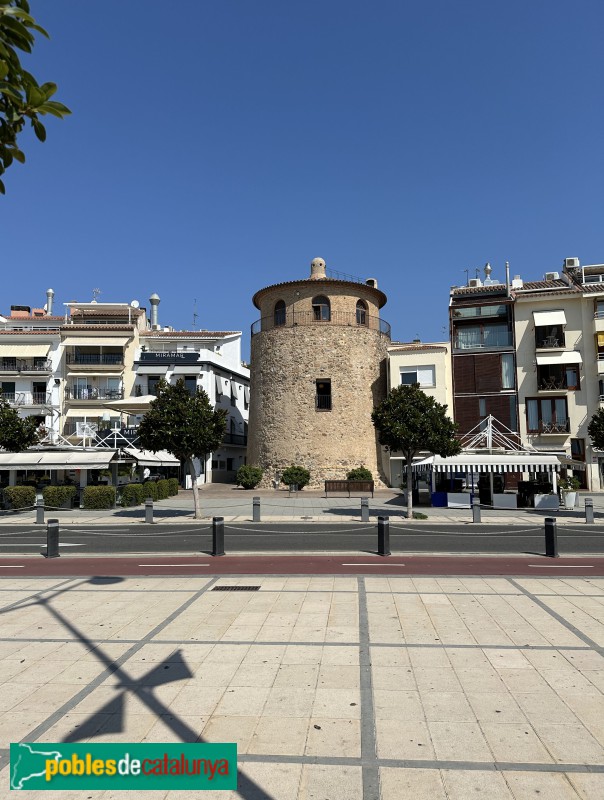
300,537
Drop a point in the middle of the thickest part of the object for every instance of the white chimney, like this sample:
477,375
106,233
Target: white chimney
49,296
154,300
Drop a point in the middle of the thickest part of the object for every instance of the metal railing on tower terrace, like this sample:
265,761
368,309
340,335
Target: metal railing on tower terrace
347,319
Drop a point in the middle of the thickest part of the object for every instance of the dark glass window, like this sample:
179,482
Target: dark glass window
361,312
321,308
323,395
279,313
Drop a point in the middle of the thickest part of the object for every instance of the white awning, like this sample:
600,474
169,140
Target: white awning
132,405
145,369
549,318
191,369
146,458
59,459
564,357
85,374
503,462
220,385
24,350
94,340
246,393
234,390
570,463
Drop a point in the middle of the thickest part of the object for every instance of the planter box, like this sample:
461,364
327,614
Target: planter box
459,500
505,501
569,499
547,501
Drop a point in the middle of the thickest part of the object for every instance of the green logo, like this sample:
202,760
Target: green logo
123,766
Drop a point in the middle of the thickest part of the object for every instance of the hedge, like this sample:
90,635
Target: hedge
163,490
151,490
58,496
20,496
295,474
173,486
132,494
359,474
98,497
248,477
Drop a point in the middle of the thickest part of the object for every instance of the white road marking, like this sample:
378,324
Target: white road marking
173,565
12,566
42,544
560,566
357,564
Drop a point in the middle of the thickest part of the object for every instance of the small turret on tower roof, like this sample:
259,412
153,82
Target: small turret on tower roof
317,269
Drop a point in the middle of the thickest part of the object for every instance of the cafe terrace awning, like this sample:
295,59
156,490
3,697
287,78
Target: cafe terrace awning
490,462
59,459
146,458
25,350
132,405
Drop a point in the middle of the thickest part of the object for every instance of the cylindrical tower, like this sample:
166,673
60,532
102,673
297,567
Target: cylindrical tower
318,370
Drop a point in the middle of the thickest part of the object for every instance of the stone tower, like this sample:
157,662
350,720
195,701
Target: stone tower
318,370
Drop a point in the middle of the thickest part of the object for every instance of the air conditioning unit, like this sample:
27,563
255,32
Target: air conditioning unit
553,276
571,262
474,282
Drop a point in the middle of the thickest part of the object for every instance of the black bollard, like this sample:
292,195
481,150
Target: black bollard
364,509
383,536
52,539
589,511
40,511
551,538
476,509
255,509
218,536
149,510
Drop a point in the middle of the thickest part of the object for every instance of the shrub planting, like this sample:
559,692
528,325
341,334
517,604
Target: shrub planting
19,496
295,475
248,477
151,491
98,497
173,486
59,496
132,494
359,474
163,491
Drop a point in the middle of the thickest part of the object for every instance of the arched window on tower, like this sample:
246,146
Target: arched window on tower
361,312
321,308
279,313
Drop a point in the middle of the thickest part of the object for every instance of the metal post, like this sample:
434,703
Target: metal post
364,509
218,536
255,509
589,511
476,509
149,510
40,511
383,536
551,538
52,539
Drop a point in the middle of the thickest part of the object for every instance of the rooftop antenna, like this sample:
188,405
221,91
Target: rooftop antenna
477,272
467,271
95,295
195,314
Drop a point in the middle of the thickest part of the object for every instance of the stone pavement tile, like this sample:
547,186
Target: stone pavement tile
135,727
548,659
279,781
274,633
485,679
40,672
584,660
229,729
297,676
309,633
241,702
588,786
447,707
545,707
467,658
286,702
589,710
341,633
211,673
303,654
11,694
495,707
515,742
16,724
523,680
169,728
459,741
463,784
339,703
72,722
222,653
279,736
345,656
197,699
569,681
398,704
390,657
397,738
419,784
437,679
82,672
509,659
389,677
544,785
255,675
321,782
49,696
264,654
597,678
429,658
240,633
338,676
570,743
333,738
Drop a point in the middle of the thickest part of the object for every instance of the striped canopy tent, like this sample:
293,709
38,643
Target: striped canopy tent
490,462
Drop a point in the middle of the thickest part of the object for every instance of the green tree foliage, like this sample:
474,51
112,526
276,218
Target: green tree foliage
595,429
22,98
185,425
411,422
16,434
297,475
359,474
248,476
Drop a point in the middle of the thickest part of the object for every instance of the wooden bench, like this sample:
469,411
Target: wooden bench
349,486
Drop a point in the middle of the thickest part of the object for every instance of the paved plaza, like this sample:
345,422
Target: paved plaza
334,688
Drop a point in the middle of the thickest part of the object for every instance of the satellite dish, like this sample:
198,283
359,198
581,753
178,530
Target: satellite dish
134,303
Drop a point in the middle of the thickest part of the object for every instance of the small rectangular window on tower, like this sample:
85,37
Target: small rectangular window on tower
323,394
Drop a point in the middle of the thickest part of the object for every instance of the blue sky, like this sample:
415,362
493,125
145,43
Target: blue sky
217,147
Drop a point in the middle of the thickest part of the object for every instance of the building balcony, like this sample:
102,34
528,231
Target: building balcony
91,393
498,341
599,322
343,319
550,342
552,428
238,439
24,365
102,361
22,399
555,385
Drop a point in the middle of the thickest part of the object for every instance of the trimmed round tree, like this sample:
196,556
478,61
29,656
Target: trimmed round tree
411,422
595,429
183,424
